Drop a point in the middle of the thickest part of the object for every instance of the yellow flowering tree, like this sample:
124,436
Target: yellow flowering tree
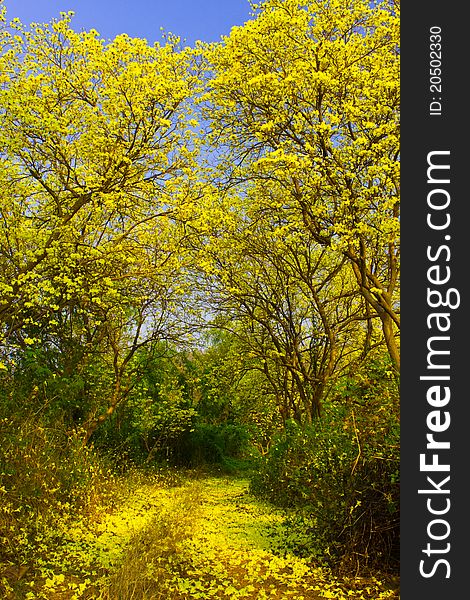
292,305
303,105
97,153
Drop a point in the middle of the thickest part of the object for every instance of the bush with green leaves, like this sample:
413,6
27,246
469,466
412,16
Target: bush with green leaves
341,475
156,414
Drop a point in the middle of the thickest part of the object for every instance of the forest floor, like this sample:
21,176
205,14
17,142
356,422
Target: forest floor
199,538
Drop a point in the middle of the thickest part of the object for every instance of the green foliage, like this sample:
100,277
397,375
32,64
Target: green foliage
157,415
342,474
190,410
225,445
57,385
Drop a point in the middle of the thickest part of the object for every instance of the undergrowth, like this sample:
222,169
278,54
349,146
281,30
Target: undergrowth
54,489
341,474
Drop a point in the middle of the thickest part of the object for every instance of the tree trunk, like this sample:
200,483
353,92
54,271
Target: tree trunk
388,328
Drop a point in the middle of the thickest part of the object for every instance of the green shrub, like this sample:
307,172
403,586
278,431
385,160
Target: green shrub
341,475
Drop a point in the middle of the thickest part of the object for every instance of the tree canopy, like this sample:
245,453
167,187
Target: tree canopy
255,181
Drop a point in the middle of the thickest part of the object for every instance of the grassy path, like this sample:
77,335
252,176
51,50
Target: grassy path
234,539
214,540
204,539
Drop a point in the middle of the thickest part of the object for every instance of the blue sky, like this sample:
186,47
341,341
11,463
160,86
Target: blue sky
192,20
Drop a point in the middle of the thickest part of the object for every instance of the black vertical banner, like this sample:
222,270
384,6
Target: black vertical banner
435,416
